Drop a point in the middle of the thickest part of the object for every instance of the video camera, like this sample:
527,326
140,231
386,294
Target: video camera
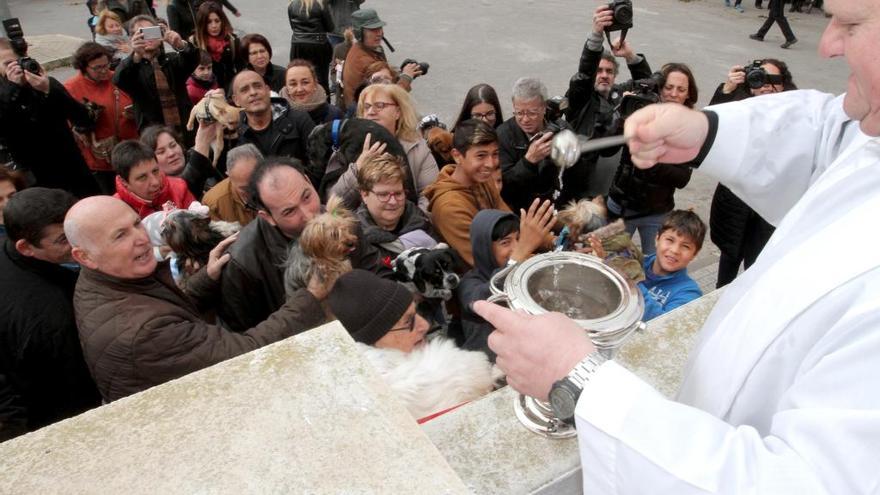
19,45
645,92
757,76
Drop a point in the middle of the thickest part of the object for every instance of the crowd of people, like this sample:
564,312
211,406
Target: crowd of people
156,201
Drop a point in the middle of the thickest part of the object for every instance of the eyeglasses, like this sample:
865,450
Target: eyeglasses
386,196
483,116
99,68
532,114
406,326
379,105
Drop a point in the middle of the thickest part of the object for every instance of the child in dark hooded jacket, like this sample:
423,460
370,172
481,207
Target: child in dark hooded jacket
498,238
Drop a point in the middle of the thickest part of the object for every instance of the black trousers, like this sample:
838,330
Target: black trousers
777,15
755,237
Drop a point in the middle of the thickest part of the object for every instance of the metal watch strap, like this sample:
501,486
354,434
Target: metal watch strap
581,373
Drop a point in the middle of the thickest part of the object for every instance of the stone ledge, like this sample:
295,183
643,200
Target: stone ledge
53,50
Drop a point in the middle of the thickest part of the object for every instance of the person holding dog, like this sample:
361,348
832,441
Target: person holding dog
137,328
776,397
253,282
114,122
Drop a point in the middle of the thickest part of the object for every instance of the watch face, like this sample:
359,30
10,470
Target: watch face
562,401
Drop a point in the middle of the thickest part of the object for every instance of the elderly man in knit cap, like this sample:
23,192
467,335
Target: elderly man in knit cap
427,376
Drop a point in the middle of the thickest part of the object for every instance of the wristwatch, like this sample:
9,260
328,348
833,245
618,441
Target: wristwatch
565,393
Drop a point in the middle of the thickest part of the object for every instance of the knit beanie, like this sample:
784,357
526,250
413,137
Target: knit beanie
367,305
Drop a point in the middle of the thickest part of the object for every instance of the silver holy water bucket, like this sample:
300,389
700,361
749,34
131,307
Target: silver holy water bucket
586,290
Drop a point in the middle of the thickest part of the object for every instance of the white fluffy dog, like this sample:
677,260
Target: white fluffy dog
434,377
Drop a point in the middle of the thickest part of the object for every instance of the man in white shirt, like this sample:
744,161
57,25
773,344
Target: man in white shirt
778,395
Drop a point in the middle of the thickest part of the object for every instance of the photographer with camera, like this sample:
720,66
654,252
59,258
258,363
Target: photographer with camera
367,49
738,230
644,197
156,80
592,93
34,114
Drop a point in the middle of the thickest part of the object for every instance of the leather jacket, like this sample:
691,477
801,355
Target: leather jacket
312,27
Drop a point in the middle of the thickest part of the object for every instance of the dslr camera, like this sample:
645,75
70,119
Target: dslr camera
19,45
623,16
422,65
757,77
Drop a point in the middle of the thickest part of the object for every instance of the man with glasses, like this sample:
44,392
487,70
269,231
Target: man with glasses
253,282
524,146
281,134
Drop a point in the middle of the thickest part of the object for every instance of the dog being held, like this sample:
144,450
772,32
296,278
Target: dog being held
323,248
214,108
587,229
430,272
192,235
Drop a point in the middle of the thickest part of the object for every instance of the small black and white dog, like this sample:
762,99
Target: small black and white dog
430,272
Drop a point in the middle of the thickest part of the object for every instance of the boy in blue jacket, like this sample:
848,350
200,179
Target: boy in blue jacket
667,284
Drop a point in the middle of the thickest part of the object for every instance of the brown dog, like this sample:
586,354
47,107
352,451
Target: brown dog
440,142
213,108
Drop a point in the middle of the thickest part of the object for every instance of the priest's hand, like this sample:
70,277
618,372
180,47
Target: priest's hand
665,133
534,351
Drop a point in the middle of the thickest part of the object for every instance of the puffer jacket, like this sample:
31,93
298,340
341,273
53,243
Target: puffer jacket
140,333
311,27
174,190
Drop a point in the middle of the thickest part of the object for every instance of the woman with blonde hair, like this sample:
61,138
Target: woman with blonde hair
392,107
310,21
110,34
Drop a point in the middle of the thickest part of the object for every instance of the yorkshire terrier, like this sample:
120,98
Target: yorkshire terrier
327,241
587,228
192,236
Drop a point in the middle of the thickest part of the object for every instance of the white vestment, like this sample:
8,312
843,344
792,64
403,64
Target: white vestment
780,394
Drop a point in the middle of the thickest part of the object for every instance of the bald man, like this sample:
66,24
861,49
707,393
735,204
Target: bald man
137,328
274,128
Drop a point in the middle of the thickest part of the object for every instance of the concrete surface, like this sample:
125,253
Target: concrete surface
306,415
489,448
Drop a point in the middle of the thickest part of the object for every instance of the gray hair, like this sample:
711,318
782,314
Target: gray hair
529,88
241,152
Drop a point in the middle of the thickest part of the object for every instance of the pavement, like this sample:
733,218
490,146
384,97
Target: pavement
497,41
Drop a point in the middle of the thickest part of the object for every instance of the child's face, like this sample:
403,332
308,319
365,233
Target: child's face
674,252
203,72
503,248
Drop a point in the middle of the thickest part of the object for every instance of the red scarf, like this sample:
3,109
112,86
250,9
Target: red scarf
216,45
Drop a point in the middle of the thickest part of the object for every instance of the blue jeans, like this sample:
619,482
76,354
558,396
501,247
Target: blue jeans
648,226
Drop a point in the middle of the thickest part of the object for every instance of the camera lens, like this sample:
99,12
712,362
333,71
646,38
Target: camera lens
623,14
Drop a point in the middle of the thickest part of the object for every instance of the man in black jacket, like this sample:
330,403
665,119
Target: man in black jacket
43,377
593,93
252,284
34,111
275,134
136,75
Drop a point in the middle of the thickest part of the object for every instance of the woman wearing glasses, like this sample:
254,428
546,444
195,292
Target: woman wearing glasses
114,123
391,107
481,103
388,220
